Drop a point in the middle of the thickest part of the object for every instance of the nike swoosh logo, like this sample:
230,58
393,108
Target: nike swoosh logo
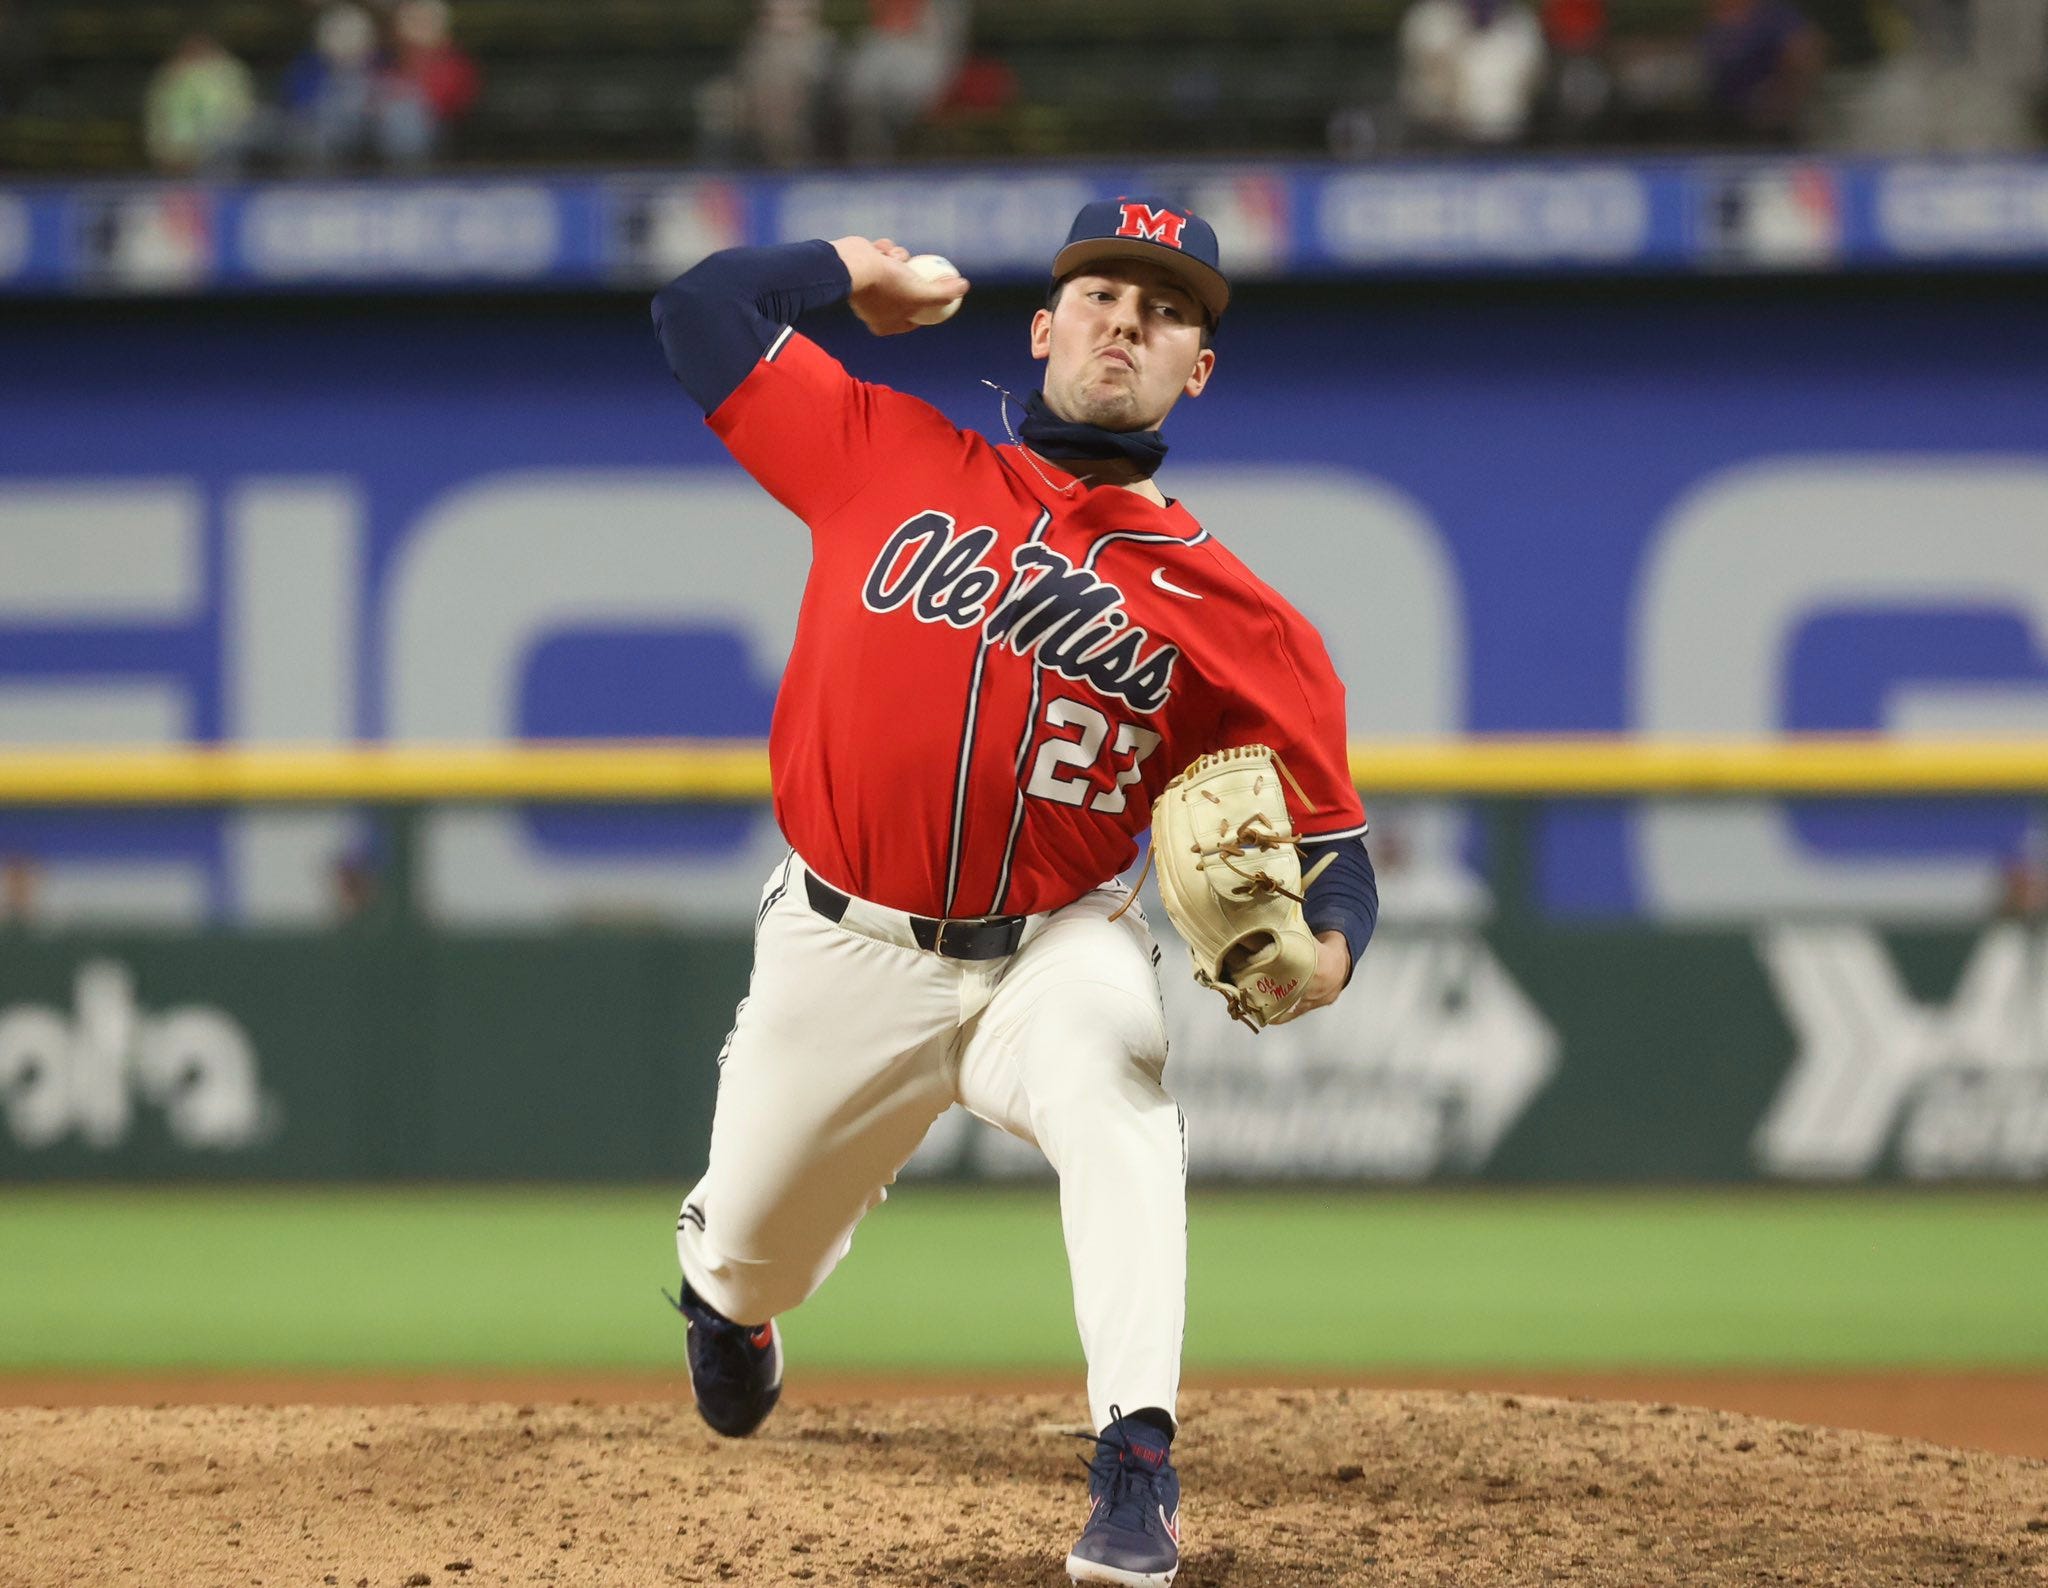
1159,578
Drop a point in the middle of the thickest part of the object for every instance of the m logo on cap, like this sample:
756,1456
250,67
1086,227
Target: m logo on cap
1155,226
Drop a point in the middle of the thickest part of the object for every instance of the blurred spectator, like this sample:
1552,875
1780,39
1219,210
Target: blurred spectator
899,71
2009,41
331,89
21,53
431,84
1961,77
1470,70
784,67
1353,131
983,91
1761,60
1939,28
19,882
358,880
200,112
1581,84
351,102
2023,879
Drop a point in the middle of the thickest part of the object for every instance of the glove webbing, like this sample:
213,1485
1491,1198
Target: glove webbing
1249,836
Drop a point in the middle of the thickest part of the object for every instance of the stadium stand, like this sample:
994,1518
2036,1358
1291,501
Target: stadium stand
626,81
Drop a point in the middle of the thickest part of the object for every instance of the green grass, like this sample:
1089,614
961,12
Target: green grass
944,1279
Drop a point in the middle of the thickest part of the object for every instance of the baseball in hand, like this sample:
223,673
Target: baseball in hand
934,267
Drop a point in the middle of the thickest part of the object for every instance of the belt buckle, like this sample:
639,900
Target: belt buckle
939,943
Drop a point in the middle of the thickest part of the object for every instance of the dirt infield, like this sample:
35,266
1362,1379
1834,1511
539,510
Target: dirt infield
2005,1411
1285,1489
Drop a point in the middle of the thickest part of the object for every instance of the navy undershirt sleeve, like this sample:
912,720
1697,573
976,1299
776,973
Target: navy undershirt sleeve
1346,897
716,319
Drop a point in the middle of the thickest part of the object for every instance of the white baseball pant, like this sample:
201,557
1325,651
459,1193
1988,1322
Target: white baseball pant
851,1041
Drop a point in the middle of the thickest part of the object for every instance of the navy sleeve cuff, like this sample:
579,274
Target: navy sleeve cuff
716,320
1346,897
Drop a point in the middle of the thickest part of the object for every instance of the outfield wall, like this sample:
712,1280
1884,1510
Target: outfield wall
1795,1051
1729,509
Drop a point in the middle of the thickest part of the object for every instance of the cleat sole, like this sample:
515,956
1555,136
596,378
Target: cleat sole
1093,1571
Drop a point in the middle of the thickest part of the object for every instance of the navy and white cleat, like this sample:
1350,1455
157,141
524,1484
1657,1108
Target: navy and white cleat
1133,1533
735,1371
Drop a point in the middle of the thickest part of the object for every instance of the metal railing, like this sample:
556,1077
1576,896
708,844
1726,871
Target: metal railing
1562,767
1508,778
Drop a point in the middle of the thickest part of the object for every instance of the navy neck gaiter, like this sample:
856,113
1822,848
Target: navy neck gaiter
1046,433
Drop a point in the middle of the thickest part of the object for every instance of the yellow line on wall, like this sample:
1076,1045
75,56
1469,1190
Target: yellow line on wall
1618,767
700,770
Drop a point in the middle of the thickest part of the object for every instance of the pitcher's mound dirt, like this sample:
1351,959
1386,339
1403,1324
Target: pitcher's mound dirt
1284,1489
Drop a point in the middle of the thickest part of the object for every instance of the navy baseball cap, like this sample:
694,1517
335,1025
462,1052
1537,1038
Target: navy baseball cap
1147,228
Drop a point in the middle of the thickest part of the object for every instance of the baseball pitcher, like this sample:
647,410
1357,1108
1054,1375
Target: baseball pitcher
1010,661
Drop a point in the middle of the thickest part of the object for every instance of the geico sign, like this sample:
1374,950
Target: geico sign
85,1073
430,629
442,634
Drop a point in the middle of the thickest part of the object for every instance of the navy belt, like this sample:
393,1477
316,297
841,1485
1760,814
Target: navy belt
984,937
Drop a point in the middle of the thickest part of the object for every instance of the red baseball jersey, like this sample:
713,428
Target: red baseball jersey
997,668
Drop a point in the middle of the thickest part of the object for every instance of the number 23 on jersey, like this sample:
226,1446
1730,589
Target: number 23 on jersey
1059,770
